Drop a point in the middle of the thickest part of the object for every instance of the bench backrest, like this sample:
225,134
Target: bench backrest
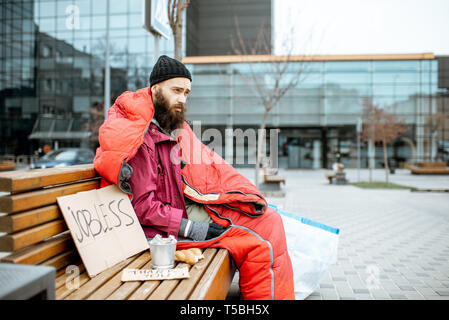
35,229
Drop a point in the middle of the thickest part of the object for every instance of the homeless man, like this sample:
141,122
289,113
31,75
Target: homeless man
180,187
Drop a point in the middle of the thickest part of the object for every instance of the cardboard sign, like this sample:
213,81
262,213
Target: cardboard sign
104,227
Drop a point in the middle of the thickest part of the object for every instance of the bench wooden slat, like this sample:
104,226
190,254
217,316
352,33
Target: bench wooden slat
64,290
215,283
36,199
16,222
62,260
186,286
128,287
274,178
42,251
22,239
94,283
114,283
144,290
23,180
68,276
166,287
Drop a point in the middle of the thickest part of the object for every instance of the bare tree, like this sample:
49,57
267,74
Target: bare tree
175,17
269,81
434,123
381,126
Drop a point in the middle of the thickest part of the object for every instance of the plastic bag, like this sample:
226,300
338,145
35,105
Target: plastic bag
313,249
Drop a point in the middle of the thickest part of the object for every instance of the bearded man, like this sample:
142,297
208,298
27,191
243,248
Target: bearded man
147,149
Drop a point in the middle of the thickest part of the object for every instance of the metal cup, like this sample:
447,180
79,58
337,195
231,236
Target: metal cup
163,253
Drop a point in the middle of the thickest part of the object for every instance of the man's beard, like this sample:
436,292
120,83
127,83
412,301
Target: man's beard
168,118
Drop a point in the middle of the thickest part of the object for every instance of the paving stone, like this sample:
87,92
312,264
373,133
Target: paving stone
406,288
443,293
314,298
329,294
355,282
400,281
414,281
433,283
428,268
437,298
414,296
388,285
315,293
426,291
338,278
363,291
379,294
327,286
338,271
398,296
350,272
423,275
439,276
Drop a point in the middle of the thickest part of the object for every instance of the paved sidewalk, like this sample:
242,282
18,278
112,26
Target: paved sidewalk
394,244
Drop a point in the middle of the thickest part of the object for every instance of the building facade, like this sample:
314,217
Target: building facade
52,66
318,117
52,62
216,27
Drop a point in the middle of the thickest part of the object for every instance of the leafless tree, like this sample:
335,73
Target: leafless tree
381,126
175,16
434,123
270,80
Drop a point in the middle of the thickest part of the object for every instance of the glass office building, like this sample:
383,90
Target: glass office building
52,66
318,117
52,63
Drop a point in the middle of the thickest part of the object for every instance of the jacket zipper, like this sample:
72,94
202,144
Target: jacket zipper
181,199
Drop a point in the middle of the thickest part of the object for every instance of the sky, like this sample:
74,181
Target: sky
317,27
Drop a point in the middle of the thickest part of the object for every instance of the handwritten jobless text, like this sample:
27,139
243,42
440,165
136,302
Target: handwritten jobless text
106,216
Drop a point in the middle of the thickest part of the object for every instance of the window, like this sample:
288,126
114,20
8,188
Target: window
46,51
85,156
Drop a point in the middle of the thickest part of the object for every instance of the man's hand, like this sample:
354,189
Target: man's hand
199,230
214,230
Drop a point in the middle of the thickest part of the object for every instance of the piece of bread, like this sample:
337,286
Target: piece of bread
190,256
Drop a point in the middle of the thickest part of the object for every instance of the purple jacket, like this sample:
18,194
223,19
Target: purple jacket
156,185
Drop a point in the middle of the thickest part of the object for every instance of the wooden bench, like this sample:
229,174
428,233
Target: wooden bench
330,177
339,177
429,168
7,165
273,180
36,234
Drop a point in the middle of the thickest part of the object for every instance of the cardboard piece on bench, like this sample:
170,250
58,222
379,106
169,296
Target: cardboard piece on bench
104,227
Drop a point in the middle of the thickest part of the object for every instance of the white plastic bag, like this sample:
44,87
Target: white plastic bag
312,247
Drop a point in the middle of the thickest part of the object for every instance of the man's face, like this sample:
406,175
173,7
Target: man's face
169,99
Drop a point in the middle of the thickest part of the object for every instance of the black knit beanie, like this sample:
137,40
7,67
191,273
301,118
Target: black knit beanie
167,68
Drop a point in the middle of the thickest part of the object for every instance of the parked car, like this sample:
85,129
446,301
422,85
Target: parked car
64,157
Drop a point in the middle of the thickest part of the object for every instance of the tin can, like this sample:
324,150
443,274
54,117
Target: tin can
162,252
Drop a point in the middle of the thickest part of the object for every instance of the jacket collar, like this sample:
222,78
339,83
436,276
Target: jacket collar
157,133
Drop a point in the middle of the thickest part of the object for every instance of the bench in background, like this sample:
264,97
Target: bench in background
429,168
36,234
